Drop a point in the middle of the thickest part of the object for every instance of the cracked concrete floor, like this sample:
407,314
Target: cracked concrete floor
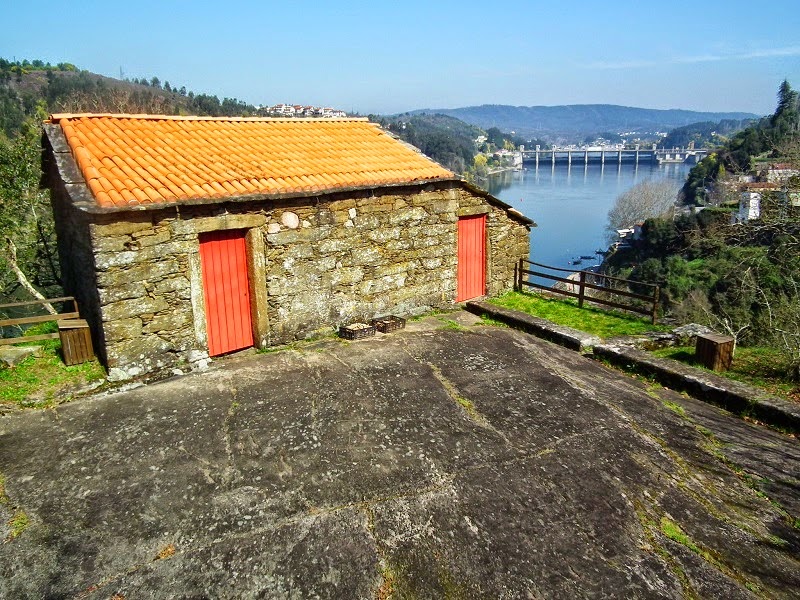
454,462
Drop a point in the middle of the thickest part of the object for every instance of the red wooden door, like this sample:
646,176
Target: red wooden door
223,259
471,257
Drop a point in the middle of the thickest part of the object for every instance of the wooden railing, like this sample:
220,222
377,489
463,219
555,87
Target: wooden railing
581,284
37,319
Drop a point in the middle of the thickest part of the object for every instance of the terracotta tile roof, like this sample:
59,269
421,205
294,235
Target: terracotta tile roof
130,160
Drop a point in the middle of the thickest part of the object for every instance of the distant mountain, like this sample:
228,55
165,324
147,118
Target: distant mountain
579,119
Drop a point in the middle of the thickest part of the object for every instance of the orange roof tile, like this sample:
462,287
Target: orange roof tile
130,160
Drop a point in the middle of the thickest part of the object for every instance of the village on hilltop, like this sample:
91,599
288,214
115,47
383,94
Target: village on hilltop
300,111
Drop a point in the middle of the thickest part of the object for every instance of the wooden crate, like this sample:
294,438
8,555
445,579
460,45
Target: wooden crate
356,331
76,341
714,351
389,323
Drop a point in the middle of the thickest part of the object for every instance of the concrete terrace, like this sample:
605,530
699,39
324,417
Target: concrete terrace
459,461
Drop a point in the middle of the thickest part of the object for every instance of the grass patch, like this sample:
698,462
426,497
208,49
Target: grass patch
451,325
760,367
38,381
596,321
486,320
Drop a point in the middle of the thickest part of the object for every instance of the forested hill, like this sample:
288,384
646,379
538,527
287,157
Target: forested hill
30,86
704,134
579,119
774,138
448,140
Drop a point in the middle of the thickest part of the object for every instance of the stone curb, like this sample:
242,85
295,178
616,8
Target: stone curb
558,334
731,395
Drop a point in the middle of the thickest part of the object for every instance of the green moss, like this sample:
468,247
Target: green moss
388,580
18,523
452,588
673,531
676,408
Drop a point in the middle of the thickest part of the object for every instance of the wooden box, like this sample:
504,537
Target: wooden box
76,341
714,351
389,323
356,331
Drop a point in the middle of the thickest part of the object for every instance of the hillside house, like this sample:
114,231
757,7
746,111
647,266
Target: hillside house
779,173
750,196
189,237
766,200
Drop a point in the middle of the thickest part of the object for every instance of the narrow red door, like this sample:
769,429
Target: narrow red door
223,259
471,257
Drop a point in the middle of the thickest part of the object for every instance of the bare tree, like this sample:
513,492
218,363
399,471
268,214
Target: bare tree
697,307
646,200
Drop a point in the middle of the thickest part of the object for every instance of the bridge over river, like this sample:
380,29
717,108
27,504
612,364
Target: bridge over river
618,154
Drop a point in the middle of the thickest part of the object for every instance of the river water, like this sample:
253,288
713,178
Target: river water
570,204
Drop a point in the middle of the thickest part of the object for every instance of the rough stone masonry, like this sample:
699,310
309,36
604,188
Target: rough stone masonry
314,263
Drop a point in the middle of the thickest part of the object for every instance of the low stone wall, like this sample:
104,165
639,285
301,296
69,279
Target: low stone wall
315,263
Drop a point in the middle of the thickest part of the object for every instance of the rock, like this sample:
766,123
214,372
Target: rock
686,334
290,220
11,356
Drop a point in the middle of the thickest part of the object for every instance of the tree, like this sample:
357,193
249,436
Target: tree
26,224
785,118
645,200
479,164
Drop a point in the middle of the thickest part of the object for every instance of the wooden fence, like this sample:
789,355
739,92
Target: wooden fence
581,285
37,319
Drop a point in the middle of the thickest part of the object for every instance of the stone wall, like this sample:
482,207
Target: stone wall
76,258
315,263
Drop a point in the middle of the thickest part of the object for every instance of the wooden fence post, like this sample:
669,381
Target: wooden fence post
655,304
582,289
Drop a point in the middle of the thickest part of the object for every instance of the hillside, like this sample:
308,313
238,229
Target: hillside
29,86
29,89
579,120
703,134
448,140
775,138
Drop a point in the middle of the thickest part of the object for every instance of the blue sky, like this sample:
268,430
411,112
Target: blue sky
388,57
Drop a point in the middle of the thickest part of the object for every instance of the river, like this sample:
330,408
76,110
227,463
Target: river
570,204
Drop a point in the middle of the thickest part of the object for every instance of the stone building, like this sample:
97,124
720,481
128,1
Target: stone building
190,237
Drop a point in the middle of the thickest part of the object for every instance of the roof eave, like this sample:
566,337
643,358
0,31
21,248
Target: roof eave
94,208
319,193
